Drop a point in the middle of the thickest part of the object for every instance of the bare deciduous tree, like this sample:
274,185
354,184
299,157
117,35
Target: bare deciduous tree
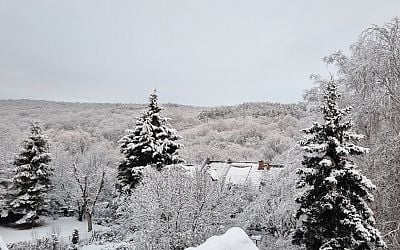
90,177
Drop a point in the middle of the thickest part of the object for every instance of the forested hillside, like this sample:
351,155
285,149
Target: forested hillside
235,132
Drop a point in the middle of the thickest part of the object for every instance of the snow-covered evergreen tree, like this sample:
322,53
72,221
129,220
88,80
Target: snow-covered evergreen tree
74,240
75,236
152,142
32,176
334,210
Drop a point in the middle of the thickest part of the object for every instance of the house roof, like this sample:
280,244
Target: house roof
242,172
239,172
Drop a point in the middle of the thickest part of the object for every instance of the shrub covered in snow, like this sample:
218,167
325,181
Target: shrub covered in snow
174,209
51,241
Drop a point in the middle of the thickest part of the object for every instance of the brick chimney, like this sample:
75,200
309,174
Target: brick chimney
261,165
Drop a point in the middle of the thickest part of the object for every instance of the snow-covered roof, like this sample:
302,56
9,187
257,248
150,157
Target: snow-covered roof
241,172
237,172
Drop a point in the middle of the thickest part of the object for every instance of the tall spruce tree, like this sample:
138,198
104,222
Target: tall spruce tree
152,142
334,212
32,176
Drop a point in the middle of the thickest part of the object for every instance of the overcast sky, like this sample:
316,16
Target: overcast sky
197,52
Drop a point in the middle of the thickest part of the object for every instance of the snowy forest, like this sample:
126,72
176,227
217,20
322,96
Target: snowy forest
139,176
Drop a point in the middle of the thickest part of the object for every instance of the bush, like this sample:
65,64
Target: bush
175,208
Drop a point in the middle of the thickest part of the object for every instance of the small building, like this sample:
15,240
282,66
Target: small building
241,172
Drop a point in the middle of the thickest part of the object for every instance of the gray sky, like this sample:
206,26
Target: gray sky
198,52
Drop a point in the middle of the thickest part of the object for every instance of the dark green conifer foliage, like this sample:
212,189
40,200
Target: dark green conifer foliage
75,236
333,210
152,142
32,176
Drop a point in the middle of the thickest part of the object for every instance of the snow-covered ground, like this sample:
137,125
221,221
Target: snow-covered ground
61,226
106,246
234,239
2,244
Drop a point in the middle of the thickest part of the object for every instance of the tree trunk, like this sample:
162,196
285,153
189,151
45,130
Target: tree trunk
80,214
81,211
89,221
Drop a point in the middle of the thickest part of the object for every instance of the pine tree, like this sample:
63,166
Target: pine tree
74,240
55,240
32,176
152,142
75,237
334,210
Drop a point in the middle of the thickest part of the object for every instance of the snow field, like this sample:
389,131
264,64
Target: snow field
62,226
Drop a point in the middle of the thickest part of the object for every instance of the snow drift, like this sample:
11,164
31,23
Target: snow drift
234,239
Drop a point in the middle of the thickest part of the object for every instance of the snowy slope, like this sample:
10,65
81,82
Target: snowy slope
234,239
